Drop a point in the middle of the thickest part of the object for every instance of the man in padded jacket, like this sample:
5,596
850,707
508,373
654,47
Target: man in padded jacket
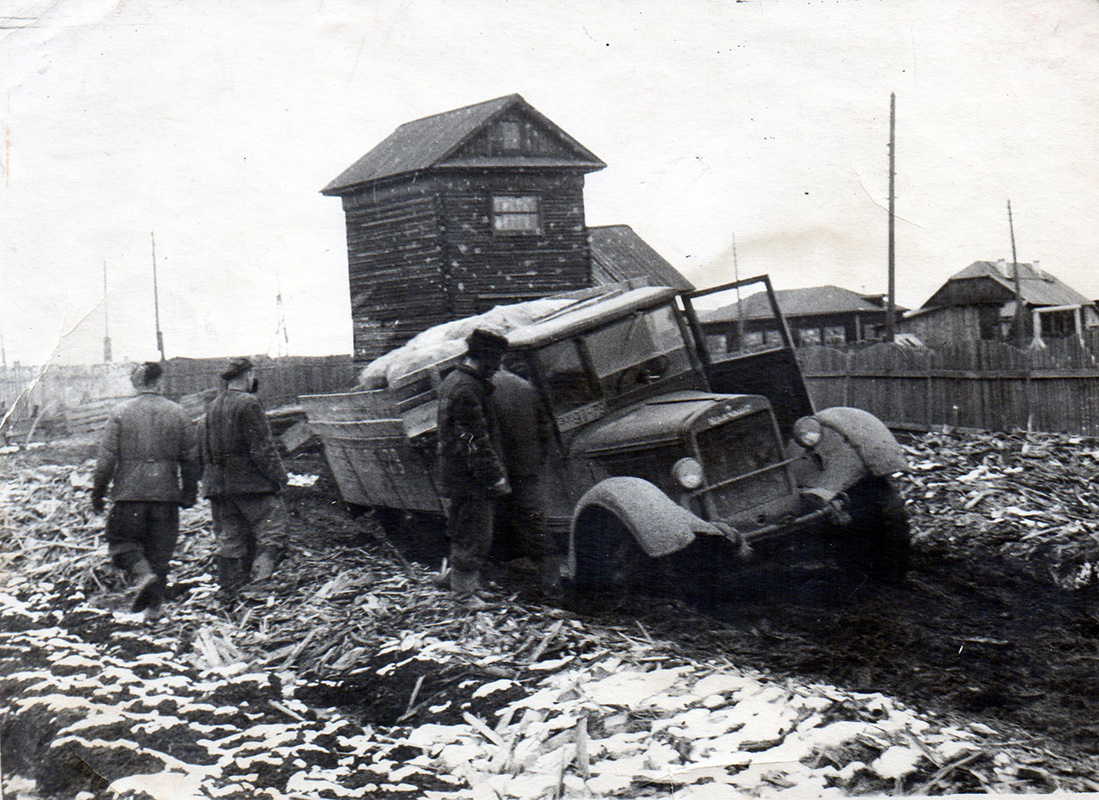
242,478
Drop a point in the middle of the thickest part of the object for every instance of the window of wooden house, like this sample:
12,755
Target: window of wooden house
516,215
807,336
1058,324
716,343
835,334
988,322
772,338
510,134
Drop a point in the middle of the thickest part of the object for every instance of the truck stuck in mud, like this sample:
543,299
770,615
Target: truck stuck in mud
676,459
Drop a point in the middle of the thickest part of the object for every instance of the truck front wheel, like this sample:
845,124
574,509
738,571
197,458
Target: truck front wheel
877,539
608,557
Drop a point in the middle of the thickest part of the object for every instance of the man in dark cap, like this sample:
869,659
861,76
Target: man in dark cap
148,458
242,478
471,465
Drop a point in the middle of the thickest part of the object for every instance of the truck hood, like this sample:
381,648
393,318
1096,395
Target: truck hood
664,419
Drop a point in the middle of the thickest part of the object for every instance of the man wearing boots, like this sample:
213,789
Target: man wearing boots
242,478
471,466
148,459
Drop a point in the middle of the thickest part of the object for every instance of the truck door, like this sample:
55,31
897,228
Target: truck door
745,346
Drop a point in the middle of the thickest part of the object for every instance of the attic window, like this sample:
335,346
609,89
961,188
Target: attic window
509,132
516,214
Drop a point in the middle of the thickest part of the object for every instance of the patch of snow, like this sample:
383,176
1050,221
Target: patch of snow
630,688
12,605
719,683
897,762
494,686
74,660
167,785
431,734
296,479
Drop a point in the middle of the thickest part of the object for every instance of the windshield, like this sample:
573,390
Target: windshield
638,350
626,355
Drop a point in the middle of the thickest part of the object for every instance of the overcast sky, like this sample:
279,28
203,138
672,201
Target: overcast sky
215,125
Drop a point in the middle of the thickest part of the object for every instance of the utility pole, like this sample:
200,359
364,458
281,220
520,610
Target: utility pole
891,304
283,341
106,320
156,302
739,301
1020,338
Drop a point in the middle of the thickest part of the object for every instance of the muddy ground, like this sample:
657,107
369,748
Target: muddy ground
968,634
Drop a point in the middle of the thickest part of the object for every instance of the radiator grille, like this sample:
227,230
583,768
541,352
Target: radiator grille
741,447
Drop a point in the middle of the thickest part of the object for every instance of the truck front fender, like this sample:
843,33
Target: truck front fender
853,444
659,525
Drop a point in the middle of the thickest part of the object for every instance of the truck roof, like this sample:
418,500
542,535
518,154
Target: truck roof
586,314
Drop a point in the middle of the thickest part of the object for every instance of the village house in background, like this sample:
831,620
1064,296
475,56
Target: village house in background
820,315
458,212
978,304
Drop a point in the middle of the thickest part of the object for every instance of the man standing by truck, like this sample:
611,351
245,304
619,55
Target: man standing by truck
242,478
526,437
148,459
471,464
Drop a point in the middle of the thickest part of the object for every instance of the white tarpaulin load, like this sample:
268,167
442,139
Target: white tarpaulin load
447,340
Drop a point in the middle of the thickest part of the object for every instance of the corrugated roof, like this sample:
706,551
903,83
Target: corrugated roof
423,143
812,301
1037,286
622,255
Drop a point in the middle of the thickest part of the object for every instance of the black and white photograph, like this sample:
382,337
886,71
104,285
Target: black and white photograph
511,400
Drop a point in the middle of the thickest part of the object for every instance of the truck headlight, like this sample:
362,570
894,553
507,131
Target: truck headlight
807,431
687,473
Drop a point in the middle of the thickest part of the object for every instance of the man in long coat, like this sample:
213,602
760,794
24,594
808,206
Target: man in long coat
526,437
242,478
148,459
471,464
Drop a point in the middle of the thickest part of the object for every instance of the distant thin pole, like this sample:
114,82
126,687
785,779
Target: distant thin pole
156,303
106,320
891,306
739,302
282,336
1020,338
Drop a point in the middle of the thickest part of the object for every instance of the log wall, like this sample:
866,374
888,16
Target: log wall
422,250
486,268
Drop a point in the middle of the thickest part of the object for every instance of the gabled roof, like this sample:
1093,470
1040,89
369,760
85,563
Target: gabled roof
811,302
1037,287
425,143
619,254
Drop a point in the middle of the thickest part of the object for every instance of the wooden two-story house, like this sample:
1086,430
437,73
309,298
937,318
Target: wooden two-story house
460,211
978,304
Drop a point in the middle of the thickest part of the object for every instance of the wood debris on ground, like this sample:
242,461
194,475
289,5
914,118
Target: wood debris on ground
348,675
1031,497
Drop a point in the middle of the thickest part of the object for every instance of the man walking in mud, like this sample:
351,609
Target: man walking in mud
149,461
471,465
242,478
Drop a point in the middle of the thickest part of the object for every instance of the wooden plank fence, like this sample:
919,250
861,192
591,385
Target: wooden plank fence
987,385
76,400
281,380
